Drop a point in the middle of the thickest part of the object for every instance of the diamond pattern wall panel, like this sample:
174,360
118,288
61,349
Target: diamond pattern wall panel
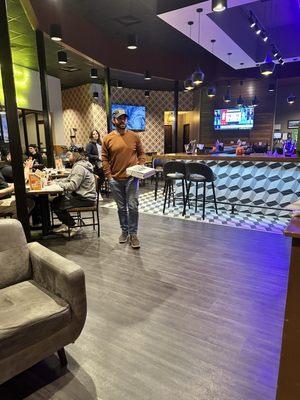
81,111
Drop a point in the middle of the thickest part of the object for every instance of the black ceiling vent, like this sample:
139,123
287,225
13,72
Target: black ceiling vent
128,20
69,68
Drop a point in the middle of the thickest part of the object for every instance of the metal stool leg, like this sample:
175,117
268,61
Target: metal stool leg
166,195
215,200
183,193
187,199
196,199
156,186
173,196
204,196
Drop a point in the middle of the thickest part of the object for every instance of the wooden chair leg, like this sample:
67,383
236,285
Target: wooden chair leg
62,357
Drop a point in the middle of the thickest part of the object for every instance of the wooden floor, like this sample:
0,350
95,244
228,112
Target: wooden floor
195,314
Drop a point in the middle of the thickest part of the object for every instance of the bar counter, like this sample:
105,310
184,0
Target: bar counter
269,183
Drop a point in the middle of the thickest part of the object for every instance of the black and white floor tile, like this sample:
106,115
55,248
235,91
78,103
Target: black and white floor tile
243,220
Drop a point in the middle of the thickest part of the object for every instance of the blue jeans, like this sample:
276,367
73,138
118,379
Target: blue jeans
126,194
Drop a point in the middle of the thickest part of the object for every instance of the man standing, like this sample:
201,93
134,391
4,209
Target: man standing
122,149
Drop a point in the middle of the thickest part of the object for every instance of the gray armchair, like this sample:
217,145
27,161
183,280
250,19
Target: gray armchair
42,301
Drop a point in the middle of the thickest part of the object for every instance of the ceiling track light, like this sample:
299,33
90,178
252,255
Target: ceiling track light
275,52
198,77
267,68
255,102
55,32
147,76
264,36
252,20
257,28
147,93
119,85
94,73
132,42
281,61
62,57
291,99
188,84
211,91
218,5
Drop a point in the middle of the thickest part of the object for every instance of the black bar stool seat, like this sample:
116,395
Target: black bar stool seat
174,171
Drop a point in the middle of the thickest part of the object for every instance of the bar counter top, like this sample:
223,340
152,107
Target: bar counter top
229,157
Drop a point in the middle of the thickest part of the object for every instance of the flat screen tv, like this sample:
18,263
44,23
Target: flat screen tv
234,118
136,116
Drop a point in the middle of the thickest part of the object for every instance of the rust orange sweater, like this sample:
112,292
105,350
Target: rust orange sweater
120,152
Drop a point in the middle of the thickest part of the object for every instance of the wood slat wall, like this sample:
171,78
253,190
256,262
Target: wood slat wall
263,117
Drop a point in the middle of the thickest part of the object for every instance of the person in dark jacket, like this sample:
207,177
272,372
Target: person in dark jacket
80,190
34,155
94,148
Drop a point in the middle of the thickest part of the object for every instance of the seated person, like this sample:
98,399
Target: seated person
6,168
80,191
34,155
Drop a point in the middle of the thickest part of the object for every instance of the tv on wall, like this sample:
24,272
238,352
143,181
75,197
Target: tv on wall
234,118
136,116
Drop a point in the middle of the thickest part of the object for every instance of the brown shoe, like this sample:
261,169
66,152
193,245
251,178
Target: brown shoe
123,238
134,241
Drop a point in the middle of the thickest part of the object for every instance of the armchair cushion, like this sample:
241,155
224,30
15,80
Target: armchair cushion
28,313
14,254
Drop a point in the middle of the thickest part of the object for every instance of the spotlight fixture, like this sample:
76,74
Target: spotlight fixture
281,61
55,32
211,91
198,77
255,102
271,87
132,42
275,52
291,99
227,97
119,85
219,5
147,76
267,68
188,84
62,57
264,36
257,29
94,73
252,20
147,93
96,95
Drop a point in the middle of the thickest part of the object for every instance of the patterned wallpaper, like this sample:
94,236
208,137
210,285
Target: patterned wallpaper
81,111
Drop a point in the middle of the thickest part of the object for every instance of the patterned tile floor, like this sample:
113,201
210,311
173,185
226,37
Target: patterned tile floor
240,220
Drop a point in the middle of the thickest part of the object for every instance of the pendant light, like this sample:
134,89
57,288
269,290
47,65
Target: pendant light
271,87
211,91
96,95
62,57
198,77
240,101
255,102
218,5
147,93
94,73
227,97
267,68
147,76
188,84
119,85
291,99
55,33
132,42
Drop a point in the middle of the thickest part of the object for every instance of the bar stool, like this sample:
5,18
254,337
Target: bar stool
158,165
200,173
174,171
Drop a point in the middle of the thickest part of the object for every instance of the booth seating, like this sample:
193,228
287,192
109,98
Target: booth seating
42,298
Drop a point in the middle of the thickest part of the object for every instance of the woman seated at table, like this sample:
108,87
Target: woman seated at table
80,191
34,155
